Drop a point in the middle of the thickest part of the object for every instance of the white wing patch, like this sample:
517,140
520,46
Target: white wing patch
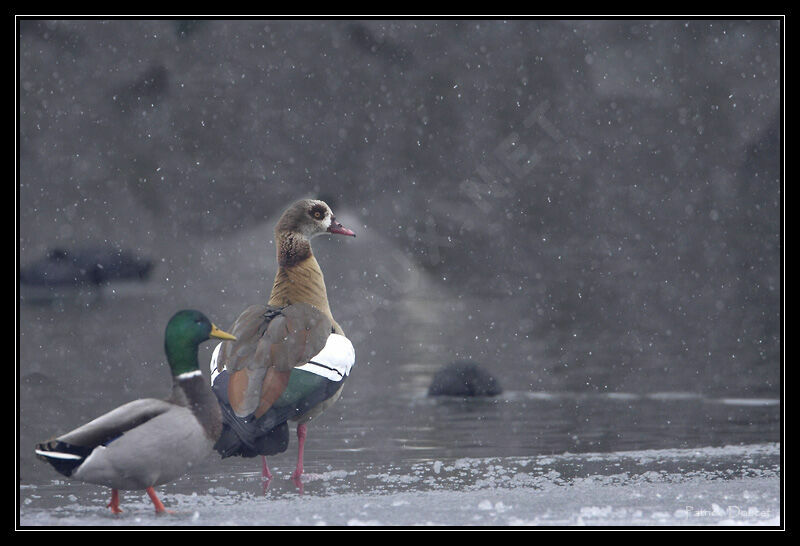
214,357
58,455
333,362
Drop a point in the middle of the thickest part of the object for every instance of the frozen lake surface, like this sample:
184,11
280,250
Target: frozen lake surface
733,485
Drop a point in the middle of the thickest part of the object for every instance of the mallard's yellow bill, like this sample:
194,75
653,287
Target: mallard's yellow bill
216,332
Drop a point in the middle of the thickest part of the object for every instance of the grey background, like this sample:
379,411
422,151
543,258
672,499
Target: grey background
579,205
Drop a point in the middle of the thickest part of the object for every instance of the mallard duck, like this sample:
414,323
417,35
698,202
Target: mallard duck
260,391
148,442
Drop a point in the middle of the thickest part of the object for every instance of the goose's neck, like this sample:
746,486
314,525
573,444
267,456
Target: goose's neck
299,278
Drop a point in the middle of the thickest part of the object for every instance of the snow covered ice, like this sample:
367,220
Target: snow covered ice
733,485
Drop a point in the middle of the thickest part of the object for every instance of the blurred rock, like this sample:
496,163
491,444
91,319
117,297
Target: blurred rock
464,378
93,265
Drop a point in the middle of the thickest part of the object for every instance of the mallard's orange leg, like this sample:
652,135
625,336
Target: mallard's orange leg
157,503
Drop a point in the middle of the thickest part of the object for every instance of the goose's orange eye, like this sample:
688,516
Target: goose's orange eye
317,212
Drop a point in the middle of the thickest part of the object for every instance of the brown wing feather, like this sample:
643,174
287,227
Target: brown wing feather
274,384
244,390
299,334
236,355
261,359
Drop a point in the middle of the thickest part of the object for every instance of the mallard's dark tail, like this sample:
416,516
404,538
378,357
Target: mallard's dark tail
64,457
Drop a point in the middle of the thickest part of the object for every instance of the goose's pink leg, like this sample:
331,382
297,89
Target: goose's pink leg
266,475
301,440
265,469
114,502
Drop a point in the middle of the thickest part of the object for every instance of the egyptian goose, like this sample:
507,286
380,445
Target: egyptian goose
260,390
148,442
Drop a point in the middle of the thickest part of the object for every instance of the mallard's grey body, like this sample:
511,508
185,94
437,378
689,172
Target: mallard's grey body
148,442
141,444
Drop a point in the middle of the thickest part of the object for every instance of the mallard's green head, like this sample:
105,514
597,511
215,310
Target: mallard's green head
186,330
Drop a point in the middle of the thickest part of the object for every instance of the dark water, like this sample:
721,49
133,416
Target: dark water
79,360
89,351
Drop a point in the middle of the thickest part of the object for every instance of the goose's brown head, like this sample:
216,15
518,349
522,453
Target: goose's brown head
309,218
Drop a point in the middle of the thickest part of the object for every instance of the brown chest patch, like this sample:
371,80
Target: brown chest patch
292,249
